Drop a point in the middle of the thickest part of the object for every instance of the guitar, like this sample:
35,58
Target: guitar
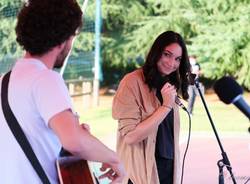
74,170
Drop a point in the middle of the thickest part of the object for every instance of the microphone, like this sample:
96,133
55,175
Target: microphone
192,78
229,91
178,102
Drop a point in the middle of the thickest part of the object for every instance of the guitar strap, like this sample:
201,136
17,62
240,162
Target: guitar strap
18,132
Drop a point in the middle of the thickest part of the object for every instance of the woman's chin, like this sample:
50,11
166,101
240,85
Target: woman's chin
165,73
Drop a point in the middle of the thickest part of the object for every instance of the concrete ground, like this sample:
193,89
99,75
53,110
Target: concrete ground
203,154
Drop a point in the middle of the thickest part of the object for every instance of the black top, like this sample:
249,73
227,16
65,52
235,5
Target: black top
165,136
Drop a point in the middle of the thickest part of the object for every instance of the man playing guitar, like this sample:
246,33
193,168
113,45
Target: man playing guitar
40,100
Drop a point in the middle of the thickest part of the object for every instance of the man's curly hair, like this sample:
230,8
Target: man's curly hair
44,24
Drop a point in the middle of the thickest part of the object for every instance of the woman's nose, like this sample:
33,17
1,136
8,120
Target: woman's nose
172,62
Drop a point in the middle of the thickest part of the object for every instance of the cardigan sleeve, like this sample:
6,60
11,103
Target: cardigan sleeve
126,107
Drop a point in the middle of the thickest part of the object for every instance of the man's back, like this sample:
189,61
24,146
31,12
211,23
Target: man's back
35,95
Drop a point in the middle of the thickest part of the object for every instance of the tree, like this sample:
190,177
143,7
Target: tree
216,32
8,12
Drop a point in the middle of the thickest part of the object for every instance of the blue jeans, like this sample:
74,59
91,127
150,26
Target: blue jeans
193,92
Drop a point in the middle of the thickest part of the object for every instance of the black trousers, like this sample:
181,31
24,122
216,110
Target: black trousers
165,168
130,182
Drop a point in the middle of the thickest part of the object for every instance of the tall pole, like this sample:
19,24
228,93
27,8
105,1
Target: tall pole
97,68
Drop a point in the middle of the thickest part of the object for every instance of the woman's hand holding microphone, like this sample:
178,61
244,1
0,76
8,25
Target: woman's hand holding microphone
169,94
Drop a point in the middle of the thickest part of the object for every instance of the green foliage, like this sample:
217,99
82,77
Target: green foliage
223,40
10,50
85,40
8,46
101,122
8,12
216,31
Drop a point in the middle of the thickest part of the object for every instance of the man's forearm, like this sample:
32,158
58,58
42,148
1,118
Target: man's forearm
90,148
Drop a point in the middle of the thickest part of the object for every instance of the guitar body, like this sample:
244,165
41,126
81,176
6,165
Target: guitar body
73,170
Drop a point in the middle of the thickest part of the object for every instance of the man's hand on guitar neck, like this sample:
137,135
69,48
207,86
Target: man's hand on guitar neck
115,172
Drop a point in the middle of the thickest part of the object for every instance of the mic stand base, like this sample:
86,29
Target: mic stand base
220,165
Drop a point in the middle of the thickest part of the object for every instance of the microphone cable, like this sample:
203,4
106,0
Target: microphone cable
186,149
247,181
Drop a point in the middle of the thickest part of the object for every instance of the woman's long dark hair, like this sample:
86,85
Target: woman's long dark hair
180,77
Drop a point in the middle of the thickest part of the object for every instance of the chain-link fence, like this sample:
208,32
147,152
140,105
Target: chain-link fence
79,68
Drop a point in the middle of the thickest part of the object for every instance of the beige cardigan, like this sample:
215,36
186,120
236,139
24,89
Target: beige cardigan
133,103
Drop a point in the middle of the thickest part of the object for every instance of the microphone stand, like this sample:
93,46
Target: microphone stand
225,160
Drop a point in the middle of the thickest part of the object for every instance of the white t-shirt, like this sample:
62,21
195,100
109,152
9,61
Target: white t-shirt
36,94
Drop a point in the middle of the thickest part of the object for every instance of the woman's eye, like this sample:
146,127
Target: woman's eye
166,54
178,59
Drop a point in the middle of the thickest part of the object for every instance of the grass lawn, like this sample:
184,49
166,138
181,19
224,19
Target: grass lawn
227,118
